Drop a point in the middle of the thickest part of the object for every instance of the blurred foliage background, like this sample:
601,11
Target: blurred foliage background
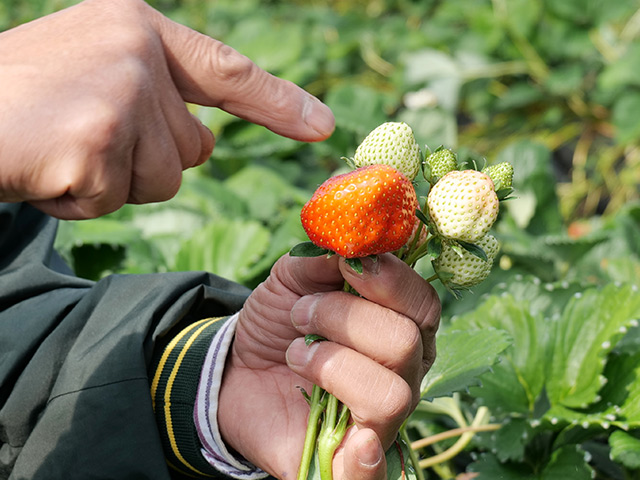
551,86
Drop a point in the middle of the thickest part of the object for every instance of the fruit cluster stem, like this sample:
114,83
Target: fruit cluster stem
318,402
332,432
326,427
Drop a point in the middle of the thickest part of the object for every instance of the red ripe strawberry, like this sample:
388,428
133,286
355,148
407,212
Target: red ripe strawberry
367,211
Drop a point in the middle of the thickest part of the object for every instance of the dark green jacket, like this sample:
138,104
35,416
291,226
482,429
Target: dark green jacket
77,358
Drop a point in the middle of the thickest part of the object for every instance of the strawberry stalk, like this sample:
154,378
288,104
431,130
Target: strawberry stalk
318,403
331,434
331,417
328,415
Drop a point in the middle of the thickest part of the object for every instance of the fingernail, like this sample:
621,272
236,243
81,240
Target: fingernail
299,354
369,453
318,116
371,265
302,310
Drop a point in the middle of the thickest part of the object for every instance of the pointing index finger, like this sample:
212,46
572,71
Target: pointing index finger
210,73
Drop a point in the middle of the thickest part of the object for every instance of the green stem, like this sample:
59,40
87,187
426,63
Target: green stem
331,434
318,405
481,418
417,254
413,456
432,278
414,241
331,415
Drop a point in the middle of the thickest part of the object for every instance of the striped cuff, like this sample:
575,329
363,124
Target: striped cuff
174,389
206,412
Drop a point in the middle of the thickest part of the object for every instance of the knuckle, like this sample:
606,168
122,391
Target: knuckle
231,66
171,186
96,127
281,98
431,310
407,343
397,404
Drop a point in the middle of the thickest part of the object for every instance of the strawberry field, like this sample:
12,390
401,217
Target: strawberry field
538,369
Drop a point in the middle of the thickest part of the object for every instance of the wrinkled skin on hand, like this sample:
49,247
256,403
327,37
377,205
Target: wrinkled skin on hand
93,106
377,351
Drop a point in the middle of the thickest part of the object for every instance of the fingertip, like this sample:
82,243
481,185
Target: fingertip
306,275
319,118
364,457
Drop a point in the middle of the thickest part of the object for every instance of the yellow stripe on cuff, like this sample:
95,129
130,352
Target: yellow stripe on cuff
174,372
165,356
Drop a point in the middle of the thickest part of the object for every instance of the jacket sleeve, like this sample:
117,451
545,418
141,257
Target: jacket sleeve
77,358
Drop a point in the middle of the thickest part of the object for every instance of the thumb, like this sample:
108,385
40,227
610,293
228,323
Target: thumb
210,73
363,457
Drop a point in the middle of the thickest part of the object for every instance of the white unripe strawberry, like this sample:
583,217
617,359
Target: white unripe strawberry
467,270
392,143
463,205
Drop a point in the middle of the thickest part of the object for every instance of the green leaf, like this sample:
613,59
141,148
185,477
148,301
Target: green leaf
422,217
441,72
591,325
434,248
503,193
535,181
488,467
274,45
565,463
266,193
312,337
509,441
624,117
286,235
622,73
357,108
399,465
432,126
228,248
625,449
355,264
100,231
474,249
95,248
426,171
307,249
517,381
463,355
618,404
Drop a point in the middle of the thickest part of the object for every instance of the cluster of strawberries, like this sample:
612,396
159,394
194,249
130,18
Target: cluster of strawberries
374,208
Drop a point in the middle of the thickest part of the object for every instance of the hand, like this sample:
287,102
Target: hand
376,354
93,106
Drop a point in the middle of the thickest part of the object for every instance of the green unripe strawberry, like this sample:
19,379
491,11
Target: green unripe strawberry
501,174
466,270
393,144
441,162
463,205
